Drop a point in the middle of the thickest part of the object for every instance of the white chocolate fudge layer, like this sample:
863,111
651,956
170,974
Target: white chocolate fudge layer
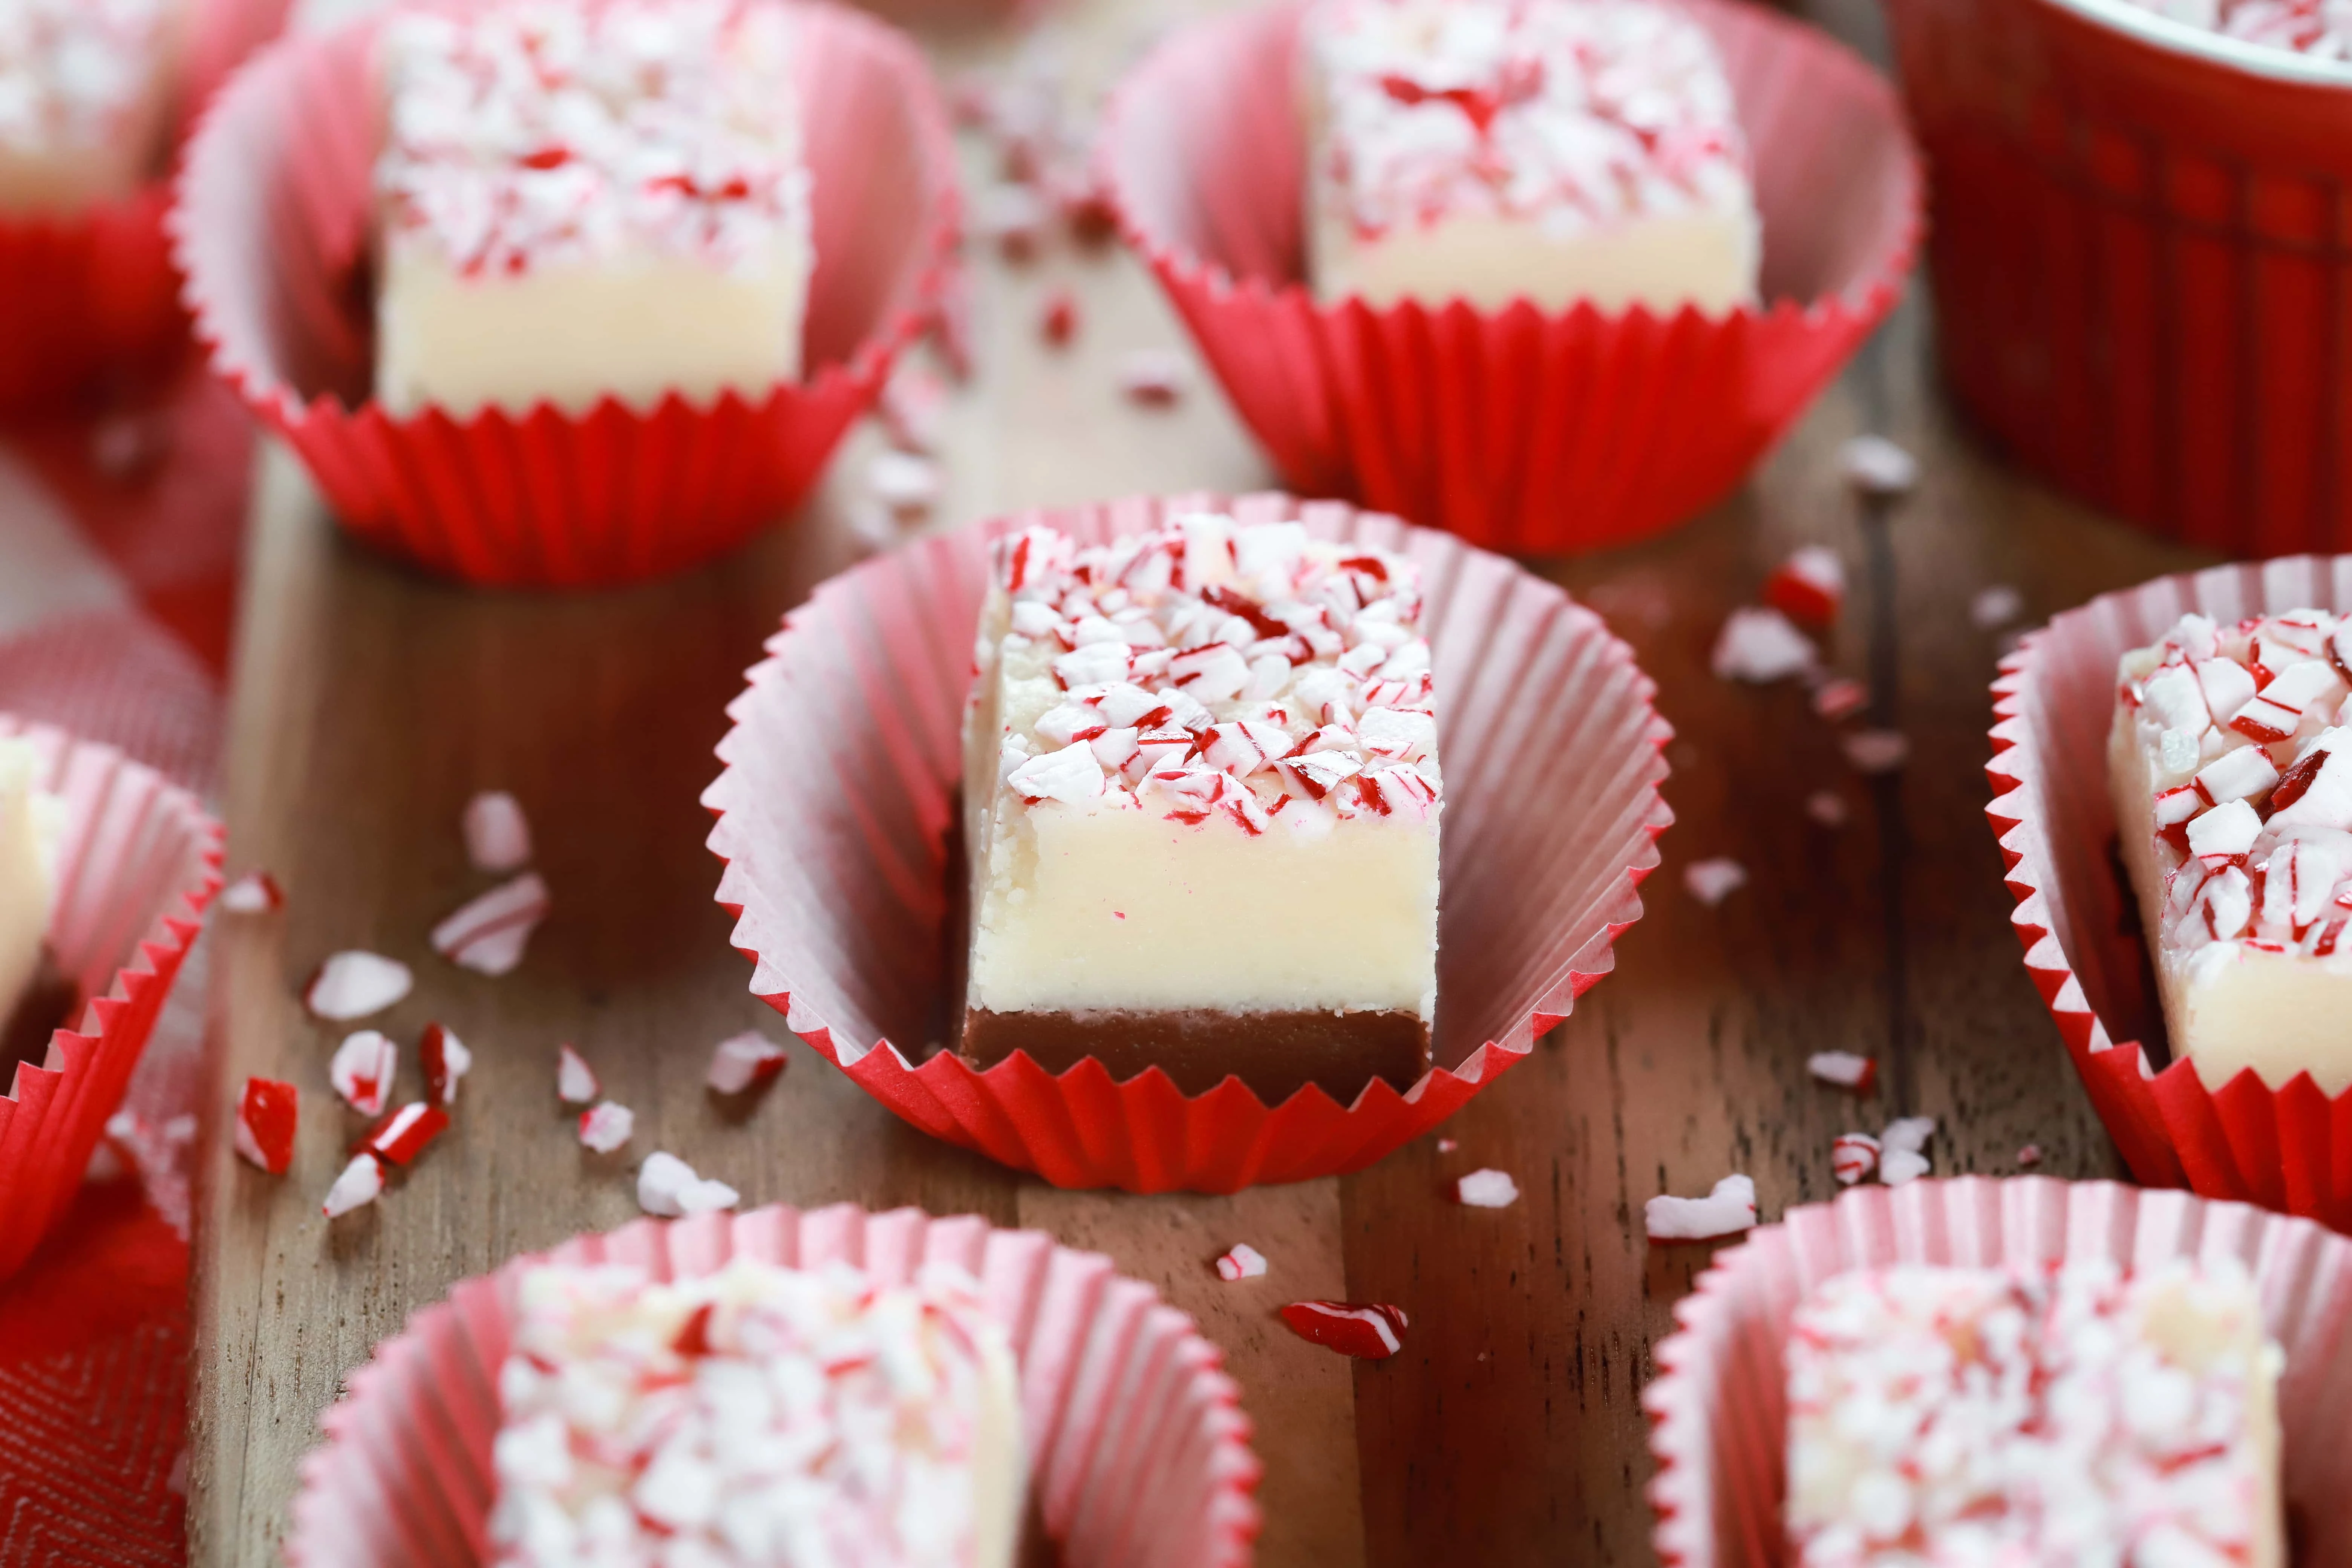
583,200
32,821
1558,151
1967,1417
760,1417
2234,813
1201,774
85,99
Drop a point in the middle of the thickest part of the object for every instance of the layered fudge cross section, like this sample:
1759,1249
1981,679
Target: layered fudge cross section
1554,151
86,94
2033,1416
1201,796
2233,788
579,200
757,1417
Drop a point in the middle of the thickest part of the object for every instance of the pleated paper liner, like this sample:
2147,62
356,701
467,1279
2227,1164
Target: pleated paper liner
1719,1409
138,862
90,295
1519,430
272,228
1139,1452
835,808
2136,260
2289,1148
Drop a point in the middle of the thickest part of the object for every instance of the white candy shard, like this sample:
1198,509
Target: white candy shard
1486,1190
1711,881
668,1186
497,834
741,1060
1843,1068
1878,469
575,1080
1995,606
362,1069
1727,1210
1242,1261
255,893
1897,1166
359,1184
1908,1134
352,984
1761,645
490,934
604,1127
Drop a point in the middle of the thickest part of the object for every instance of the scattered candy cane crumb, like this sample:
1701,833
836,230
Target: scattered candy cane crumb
1242,1261
2030,1154
488,934
1012,217
1486,1190
1370,1331
1448,1145
606,1126
1995,606
266,1113
668,1186
1901,1153
445,1060
1897,1166
1827,807
362,1069
1060,320
1153,378
914,408
353,983
1840,699
359,1184
1727,1210
255,893
1878,469
1760,646
1877,750
1712,881
1844,1069
575,1080
1908,1133
908,485
1852,1156
1809,588
497,834
742,1060
403,1135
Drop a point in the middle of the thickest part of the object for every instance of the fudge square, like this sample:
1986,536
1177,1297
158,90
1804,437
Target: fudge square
2034,1418
1202,799
582,198
1558,151
87,91
2232,790
757,1417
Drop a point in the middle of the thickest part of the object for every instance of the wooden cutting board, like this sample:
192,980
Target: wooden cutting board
369,703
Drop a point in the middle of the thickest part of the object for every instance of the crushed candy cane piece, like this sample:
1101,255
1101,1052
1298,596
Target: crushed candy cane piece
575,1080
2030,1154
668,1186
401,1136
742,1060
1908,1134
1827,807
497,834
1760,646
1845,1068
605,1126
362,1070
1727,1210
359,1184
1060,320
1373,1332
1877,750
1995,606
1241,1261
1153,378
1012,217
1897,1166
445,1060
266,1117
490,934
1852,1155
352,984
1448,1145
907,484
1486,1190
255,893
1809,588
1840,699
1713,881
1878,469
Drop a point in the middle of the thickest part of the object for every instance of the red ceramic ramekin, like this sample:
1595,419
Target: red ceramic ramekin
2289,1148
1718,1407
2139,249
272,229
1139,1453
139,861
843,771
1520,431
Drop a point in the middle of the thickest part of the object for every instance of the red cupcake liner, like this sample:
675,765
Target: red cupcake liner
272,229
1517,430
842,777
89,295
1718,1406
2136,260
138,862
2287,1149
1139,1452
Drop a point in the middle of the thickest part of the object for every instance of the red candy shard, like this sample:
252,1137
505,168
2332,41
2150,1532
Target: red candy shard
694,1334
255,893
1809,588
266,1118
1059,322
575,1081
1372,1332
401,1136
2296,780
447,1061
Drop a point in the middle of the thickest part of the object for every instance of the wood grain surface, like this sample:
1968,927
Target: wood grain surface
369,703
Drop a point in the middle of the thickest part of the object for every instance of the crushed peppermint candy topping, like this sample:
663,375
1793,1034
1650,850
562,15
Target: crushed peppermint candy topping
1761,645
1241,1261
1828,807
362,1070
361,1183
255,893
1876,751
78,73
445,1060
1877,469
266,1117
537,132
1809,588
1486,1190
1841,697
1210,671
488,934
1727,1210
575,1080
1845,1068
2250,778
1711,881
740,1061
2029,1154
1995,607
2320,28
2030,1416
605,1126
1576,115
1852,1156
497,834
754,1416
668,1186
352,984
1370,1331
